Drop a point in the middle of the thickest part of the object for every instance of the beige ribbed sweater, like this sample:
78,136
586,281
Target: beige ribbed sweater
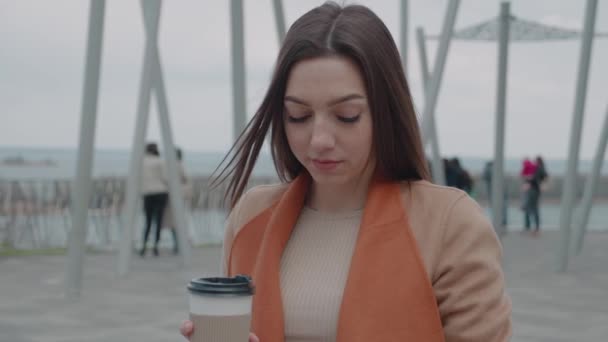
314,269
154,176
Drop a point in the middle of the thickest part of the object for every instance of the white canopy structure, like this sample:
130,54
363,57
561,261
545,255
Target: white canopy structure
507,28
503,29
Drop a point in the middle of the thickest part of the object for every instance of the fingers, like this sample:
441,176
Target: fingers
186,329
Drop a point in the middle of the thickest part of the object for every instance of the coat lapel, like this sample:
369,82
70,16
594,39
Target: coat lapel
267,318
388,294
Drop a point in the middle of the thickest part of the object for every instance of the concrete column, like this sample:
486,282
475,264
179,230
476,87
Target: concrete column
279,18
151,15
590,186
403,37
83,182
424,64
569,191
432,94
238,68
175,185
498,179
436,160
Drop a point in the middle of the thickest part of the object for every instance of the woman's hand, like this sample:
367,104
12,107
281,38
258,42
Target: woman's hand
187,328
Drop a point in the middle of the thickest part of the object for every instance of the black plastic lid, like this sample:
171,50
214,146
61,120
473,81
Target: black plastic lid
240,285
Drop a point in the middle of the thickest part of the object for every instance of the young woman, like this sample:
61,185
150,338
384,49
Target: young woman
155,193
355,244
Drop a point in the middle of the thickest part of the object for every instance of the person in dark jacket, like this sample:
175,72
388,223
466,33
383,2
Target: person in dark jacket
456,176
155,192
533,192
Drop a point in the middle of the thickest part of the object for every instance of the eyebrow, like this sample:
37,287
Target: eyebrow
330,103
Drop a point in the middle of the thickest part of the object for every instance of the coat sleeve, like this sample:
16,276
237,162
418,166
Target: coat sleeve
469,282
232,225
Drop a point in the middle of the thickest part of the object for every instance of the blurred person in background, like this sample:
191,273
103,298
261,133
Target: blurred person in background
155,194
533,188
464,181
169,218
527,171
451,174
527,168
456,176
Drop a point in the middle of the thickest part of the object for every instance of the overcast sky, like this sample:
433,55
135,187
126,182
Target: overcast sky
42,62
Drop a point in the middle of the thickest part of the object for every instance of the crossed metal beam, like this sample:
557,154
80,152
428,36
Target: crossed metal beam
82,184
432,84
152,80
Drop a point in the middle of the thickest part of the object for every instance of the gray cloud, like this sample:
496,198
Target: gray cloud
42,61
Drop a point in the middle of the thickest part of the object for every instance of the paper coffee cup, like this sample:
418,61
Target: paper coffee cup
220,308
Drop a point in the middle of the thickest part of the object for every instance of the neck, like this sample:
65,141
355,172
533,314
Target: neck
339,197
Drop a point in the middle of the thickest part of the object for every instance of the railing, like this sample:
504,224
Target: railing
36,213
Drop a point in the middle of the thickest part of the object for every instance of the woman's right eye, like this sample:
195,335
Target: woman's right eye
297,119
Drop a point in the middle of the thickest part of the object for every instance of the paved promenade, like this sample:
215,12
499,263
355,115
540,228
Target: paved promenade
150,303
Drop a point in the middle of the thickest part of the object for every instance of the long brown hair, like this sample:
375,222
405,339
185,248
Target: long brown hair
357,33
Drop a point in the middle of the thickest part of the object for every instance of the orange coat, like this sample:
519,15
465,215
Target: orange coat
426,266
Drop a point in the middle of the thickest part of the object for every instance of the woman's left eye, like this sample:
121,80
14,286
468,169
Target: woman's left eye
349,119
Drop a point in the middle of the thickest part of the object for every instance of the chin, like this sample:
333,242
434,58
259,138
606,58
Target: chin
329,179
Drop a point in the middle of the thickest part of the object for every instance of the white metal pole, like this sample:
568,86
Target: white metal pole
438,169
151,13
424,64
569,190
498,180
279,17
82,185
403,38
176,198
175,185
238,68
432,94
585,209
436,160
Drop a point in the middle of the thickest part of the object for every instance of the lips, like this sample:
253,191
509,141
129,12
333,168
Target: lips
325,164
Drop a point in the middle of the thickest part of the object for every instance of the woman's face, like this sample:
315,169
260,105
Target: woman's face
327,120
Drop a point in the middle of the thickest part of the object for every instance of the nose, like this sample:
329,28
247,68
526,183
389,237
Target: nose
322,137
